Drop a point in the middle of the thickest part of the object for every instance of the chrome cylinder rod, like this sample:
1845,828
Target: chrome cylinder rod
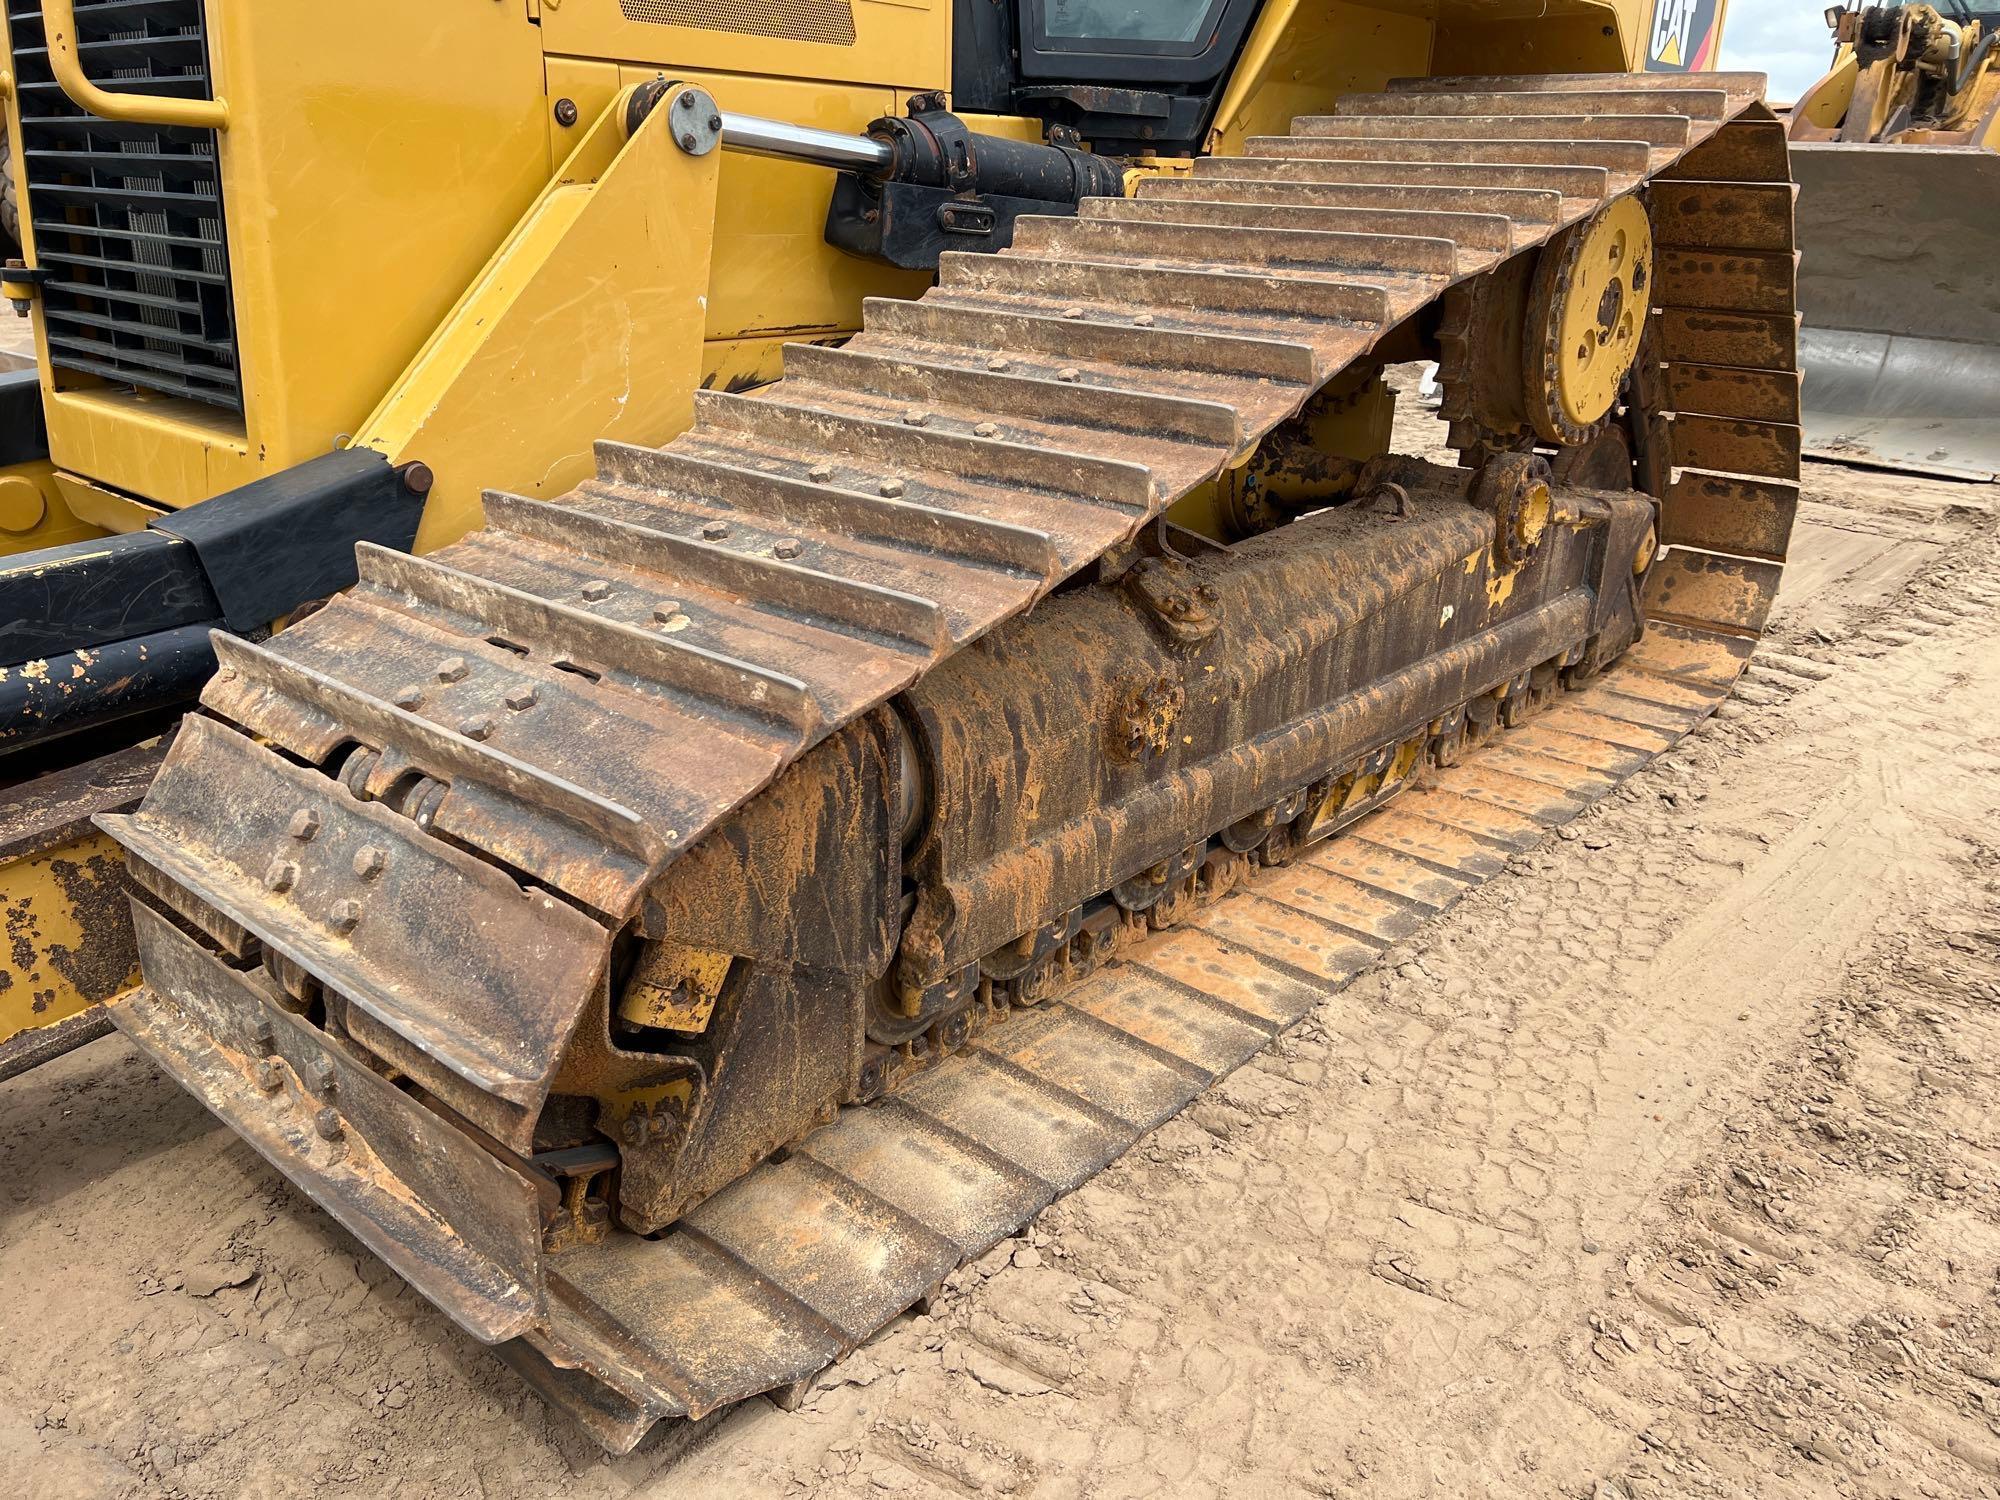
755,136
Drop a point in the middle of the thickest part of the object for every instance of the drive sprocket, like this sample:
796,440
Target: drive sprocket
1586,308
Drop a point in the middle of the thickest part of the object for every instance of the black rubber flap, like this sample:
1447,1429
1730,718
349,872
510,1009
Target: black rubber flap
274,544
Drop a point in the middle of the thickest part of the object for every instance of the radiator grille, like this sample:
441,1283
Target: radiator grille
830,21
128,218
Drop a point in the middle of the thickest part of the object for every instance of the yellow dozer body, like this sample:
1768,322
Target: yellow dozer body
1897,155
909,653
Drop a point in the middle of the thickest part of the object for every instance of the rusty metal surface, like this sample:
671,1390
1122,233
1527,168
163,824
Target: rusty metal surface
586,689
441,948
1730,513
63,910
445,1214
32,1048
1712,590
53,809
804,1259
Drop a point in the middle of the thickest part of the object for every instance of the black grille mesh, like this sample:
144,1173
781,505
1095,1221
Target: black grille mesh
128,218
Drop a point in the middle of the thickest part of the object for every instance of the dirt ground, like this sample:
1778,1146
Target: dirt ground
1665,1165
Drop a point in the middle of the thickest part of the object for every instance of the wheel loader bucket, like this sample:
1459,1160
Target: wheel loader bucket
1900,292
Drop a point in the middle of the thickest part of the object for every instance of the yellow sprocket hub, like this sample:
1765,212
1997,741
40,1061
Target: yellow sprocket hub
1586,309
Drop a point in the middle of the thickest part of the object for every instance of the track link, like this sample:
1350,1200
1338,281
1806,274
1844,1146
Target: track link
561,702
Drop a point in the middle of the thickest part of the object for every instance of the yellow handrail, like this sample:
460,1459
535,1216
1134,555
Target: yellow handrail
59,27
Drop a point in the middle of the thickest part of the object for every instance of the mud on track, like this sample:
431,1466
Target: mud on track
1664,1165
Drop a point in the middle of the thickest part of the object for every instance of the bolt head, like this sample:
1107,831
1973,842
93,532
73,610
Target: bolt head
281,876
345,916
269,1076
714,531
985,429
820,473
263,1035
226,674
916,416
715,122
1072,312
596,589
409,697
687,139
520,698
1144,320
666,611
785,547
452,669
565,112
1069,374
326,1124
476,729
687,101
304,825
369,861
890,488
998,363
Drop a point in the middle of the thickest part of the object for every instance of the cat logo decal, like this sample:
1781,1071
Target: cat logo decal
1683,36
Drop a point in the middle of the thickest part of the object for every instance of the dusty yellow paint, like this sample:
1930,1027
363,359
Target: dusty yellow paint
1596,326
34,512
1303,54
1354,789
66,943
373,160
630,1114
675,986
1352,417
104,510
585,325
773,271
1824,105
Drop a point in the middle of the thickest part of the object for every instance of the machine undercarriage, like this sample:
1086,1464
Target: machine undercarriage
678,923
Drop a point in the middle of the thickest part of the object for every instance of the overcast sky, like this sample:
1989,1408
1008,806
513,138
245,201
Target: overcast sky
1786,38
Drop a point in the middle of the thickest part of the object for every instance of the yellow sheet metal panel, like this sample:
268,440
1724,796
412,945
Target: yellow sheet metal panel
175,452
1674,36
774,272
1522,36
69,939
587,324
1302,54
377,152
63,906
102,509
34,512
744,364
903,43
803,288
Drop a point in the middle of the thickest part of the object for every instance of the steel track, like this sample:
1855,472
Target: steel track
564,700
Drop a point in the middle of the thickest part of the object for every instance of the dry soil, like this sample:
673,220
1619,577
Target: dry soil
1665,1165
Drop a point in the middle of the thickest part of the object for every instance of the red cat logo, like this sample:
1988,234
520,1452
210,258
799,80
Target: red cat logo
1683,36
